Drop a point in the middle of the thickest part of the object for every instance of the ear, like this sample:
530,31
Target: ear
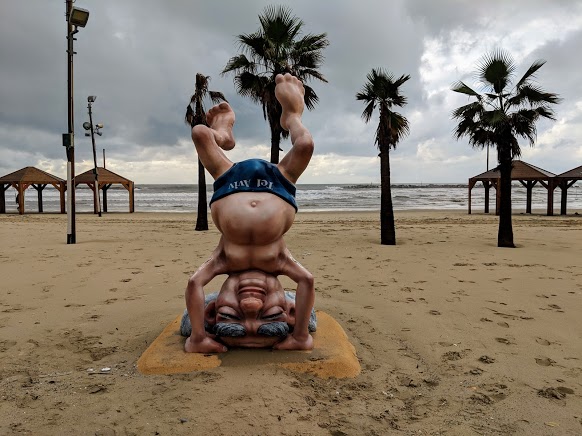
290,311
210,313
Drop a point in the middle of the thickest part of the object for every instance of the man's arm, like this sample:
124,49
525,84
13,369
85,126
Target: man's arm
300,339
199,341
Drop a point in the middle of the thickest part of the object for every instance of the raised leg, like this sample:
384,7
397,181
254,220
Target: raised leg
210,140
290,94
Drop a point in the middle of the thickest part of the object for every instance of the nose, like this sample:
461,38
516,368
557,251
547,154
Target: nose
251,306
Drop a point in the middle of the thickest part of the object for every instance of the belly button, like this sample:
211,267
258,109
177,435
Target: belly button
253,203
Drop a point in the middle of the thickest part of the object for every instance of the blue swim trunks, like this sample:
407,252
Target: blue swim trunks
254,175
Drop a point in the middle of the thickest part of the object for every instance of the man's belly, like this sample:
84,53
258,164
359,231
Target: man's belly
252,218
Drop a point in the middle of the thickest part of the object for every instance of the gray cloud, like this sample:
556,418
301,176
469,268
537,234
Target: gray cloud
140,58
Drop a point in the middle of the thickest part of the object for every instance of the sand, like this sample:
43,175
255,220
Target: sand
454,335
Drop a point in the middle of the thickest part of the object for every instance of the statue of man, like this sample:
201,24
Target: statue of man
253,206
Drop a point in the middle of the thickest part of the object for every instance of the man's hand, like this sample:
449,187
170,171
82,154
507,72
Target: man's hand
206,345
292,343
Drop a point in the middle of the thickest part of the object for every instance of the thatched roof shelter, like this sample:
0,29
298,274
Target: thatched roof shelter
106,178
564,181
528,175
26,177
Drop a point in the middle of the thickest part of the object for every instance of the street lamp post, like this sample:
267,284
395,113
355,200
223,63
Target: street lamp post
76,17
94,130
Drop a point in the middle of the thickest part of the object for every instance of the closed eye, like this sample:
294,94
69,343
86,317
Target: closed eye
228,316
272,317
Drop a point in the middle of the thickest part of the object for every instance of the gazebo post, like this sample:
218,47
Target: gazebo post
564,197
20,199
487,186
471,184
131,194
39,188
62,187
529,191
105,188
551,186
3,197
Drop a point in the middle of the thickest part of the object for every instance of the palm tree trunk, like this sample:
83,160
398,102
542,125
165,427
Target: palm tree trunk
505,233
202,218
275,145
387,229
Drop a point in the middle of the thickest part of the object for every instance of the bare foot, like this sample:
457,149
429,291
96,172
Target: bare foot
290,93
220,118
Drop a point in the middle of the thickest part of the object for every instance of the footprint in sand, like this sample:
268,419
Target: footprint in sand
543,341
544,361
503,341
5,345
453,355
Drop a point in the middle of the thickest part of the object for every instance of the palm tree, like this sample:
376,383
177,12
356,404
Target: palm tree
277,47
382,91
501,114
195,114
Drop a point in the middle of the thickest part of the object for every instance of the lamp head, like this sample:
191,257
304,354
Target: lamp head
79,17
99,126
91,98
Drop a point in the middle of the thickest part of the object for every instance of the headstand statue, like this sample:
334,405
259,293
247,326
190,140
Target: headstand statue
253,206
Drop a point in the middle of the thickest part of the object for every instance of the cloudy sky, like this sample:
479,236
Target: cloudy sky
140,58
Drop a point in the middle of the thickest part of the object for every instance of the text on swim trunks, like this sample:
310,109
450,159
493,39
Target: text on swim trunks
260,183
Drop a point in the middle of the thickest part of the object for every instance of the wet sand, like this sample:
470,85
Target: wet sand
454,335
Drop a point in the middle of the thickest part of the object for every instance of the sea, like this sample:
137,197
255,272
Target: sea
311,198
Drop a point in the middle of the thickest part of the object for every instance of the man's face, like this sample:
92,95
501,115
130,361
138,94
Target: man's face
251,299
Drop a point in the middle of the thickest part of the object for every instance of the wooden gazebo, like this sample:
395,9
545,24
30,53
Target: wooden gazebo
564,181
528,175
106,179
26,177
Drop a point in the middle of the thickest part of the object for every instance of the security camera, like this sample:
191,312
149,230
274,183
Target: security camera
99,126
91,98
87,125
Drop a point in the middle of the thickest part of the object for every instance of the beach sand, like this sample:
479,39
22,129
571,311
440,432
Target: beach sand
454,335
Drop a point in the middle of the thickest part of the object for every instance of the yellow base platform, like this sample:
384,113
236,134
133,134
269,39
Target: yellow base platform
332,355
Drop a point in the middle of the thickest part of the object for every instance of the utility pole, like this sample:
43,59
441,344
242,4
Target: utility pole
69,142
76,17
90,100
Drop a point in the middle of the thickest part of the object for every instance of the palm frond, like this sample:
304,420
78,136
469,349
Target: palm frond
469,111
368,110
189,117
496,69
217,97
239,63
311,99
464,89
530,72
